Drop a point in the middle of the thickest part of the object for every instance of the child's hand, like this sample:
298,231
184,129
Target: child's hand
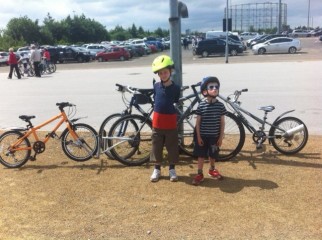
200,142
219,142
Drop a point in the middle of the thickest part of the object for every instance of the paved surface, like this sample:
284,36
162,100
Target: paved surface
284,80
289,85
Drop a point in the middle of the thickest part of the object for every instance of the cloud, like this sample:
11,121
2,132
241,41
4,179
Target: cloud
203,14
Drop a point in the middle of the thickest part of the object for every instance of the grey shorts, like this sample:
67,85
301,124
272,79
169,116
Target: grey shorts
168,139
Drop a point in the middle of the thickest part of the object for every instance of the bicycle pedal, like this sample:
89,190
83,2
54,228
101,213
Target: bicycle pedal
32,158
259,147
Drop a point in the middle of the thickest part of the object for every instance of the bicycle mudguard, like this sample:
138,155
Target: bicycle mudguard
19,129
280,116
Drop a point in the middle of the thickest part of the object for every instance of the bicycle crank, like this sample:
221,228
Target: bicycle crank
39,147
259,137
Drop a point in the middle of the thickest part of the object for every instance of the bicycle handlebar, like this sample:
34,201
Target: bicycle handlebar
62,105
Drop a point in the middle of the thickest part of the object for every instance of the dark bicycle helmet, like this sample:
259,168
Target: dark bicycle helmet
205,81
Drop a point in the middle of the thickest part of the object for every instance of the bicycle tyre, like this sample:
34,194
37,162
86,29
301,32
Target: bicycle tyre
16,74
136,151
13,159
85,147
104,130
51,67
31,72
292,144
186,139
234,138
232,144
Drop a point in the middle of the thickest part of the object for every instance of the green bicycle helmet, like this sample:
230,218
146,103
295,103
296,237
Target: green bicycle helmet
161,62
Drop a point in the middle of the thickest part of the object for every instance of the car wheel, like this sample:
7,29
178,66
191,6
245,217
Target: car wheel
233,52
292,50
100,59
122,58
205,54
261,51
79,59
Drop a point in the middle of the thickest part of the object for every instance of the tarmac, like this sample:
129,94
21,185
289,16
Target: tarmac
287,85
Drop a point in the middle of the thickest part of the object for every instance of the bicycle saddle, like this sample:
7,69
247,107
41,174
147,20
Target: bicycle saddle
267,108
26,117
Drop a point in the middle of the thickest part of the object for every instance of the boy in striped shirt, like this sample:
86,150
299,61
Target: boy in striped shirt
210,127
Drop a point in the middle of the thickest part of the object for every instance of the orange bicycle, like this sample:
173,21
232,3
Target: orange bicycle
79,140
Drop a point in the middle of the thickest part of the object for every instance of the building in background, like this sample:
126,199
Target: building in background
257,16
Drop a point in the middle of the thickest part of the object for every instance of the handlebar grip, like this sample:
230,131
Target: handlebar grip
196,85
184,88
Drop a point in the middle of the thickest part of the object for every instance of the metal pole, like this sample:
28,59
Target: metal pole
308,15
175,42
226,49
279,17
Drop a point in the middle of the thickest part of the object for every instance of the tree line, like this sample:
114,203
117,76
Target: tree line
78,29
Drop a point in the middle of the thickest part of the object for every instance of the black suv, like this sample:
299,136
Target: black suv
73,54
216,46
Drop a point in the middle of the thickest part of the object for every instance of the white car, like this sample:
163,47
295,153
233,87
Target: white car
4,57
278,45
300,33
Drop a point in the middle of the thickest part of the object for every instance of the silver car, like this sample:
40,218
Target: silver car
278,45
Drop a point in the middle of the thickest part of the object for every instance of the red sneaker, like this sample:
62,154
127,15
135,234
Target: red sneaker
197,179
215,174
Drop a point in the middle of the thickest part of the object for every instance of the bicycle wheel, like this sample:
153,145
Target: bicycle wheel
131,137
31,72
51,67
186,141
104,130
288,144
14,157
20,71
83,148
234,138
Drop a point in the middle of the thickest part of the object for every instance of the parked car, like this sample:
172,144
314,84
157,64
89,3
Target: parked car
320,38
113,53
158,44
216,46
265,38
278,45
23,49
54,54
95,48
300,33
248,35
4,57
250,41
73,54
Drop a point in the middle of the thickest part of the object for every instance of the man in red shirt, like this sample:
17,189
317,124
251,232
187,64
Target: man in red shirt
13,62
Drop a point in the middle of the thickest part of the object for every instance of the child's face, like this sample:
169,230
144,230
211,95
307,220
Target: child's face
212,89
164,74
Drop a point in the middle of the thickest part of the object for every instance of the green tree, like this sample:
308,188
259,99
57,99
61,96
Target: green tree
23,29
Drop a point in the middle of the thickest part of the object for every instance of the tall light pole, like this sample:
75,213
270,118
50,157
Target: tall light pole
308,15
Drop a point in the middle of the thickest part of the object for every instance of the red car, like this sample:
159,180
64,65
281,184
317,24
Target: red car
113,53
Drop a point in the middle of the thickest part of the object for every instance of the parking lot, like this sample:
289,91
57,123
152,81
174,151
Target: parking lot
265,195
311,51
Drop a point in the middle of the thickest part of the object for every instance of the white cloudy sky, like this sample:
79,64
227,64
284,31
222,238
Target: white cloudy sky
150,14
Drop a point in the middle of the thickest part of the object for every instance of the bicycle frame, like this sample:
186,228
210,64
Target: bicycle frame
33,130
238,110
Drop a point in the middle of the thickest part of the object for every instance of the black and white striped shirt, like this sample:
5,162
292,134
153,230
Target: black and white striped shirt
210,117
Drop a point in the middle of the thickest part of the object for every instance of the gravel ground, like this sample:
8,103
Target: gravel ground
264,195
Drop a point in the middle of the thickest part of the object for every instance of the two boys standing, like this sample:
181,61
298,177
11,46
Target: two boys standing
209,125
